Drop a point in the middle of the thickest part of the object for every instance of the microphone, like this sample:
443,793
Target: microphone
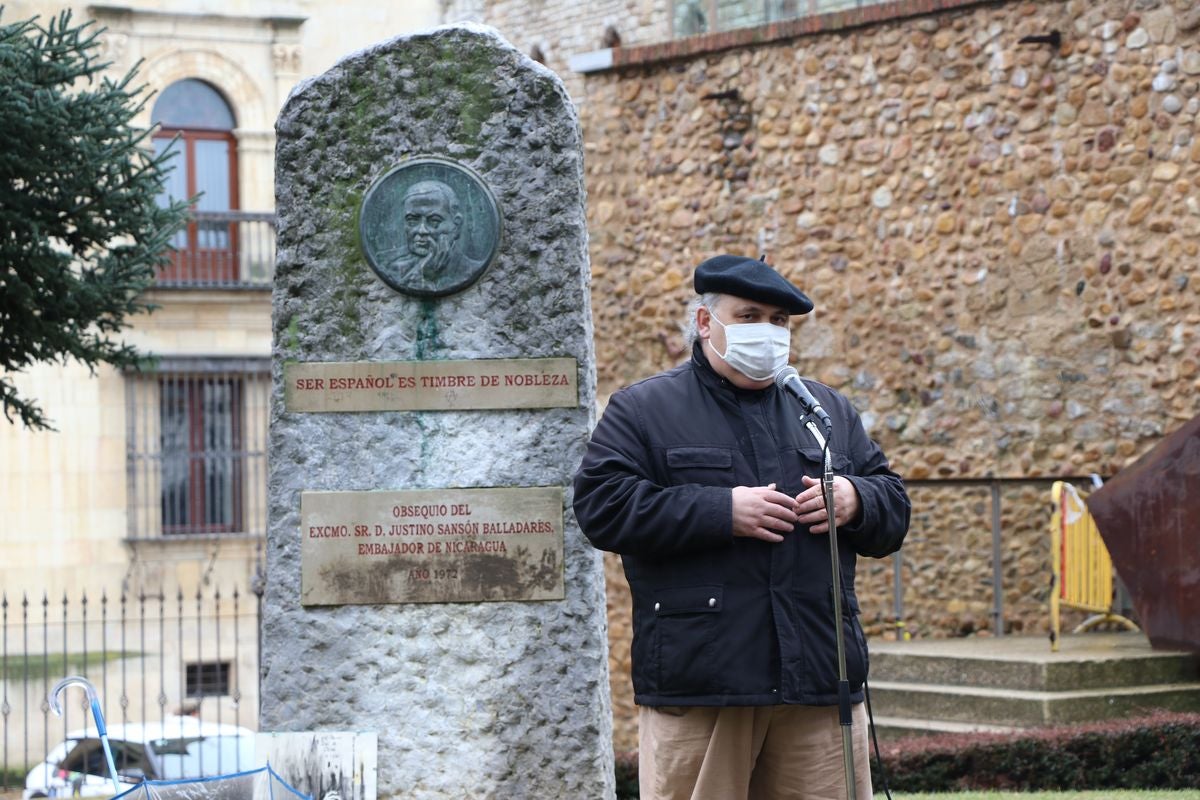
788,380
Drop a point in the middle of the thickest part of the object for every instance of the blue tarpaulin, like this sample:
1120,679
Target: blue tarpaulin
256,784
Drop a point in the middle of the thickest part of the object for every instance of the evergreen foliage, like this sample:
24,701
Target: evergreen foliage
81,232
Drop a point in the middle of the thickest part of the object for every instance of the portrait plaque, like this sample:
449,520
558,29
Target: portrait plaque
431,545
429,227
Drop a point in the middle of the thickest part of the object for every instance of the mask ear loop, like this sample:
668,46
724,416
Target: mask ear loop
712,314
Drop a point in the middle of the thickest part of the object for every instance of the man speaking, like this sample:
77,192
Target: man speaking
706,482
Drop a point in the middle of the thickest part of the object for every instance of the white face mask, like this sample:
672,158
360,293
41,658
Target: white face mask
756,349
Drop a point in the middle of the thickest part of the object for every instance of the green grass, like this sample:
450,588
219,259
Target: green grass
55,665
1103,794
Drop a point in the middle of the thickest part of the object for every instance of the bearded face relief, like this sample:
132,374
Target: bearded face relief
429,227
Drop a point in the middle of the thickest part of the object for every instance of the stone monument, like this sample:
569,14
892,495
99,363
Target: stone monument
433,391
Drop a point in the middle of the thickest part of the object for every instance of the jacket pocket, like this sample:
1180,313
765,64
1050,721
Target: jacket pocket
856,641
820,644
707,466
815,456
686,622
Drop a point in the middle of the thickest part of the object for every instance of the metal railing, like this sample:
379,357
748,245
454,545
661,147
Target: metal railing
151,657
694,17
985,529
228,250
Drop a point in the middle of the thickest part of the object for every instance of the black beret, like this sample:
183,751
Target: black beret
753,280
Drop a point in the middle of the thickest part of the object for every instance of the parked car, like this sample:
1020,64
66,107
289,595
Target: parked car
173,748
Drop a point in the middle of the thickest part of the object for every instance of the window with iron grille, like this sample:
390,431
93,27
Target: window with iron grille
196,433
207,679
200,425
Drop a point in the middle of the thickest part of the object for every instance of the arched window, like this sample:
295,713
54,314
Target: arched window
197,125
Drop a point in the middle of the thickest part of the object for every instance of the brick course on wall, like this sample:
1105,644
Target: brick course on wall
654,51
561,30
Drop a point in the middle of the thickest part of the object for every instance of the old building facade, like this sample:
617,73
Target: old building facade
159,479
139,523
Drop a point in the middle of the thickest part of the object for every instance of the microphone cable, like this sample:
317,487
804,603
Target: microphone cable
875,738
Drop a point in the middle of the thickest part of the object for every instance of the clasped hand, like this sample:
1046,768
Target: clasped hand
761,512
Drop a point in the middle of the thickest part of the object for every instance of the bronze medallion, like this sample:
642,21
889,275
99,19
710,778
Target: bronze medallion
429,227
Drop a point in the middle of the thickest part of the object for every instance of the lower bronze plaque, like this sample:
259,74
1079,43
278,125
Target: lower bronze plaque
431,546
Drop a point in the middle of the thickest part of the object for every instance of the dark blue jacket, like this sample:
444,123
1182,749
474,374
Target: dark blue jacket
720,620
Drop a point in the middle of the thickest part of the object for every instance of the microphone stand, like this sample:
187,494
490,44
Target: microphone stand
844,715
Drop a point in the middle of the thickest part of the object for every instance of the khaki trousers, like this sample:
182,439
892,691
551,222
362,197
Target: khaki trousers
748,753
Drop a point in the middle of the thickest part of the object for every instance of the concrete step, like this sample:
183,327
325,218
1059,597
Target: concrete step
899,727
1085,661
1025,708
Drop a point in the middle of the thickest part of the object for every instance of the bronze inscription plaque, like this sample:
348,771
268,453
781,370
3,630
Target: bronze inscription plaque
431,546
431,385
429,227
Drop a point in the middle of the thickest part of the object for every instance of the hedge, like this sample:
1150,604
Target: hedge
1160,751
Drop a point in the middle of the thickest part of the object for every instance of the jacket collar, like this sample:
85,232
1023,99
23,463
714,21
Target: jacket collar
709,376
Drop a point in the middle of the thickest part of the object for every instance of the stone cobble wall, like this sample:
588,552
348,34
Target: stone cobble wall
1002,240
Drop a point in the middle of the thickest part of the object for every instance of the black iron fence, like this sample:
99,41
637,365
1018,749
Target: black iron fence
165,665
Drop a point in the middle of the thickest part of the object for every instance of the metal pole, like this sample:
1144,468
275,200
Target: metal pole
898,595
845,717
997,565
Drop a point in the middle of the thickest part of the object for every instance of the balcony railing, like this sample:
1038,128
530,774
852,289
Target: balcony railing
693,17
227,249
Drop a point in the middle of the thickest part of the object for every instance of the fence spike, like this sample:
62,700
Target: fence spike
136,690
